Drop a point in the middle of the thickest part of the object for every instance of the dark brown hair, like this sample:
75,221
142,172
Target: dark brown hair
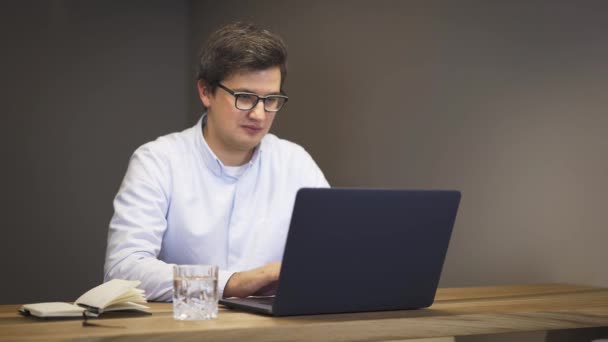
240,46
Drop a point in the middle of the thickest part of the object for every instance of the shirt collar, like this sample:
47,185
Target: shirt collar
210,158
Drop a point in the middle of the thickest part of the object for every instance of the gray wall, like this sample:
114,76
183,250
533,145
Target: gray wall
84,83
502,100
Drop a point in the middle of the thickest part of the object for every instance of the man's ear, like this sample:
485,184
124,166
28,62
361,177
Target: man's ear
204,93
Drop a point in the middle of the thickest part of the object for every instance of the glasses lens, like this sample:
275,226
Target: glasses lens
246,101
274,103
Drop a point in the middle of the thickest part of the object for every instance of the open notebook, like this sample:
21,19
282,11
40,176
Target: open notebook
115,295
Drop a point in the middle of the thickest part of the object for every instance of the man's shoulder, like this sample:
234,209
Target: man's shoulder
276,145
293,161
168,145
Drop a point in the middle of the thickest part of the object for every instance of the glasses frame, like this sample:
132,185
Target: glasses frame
236,95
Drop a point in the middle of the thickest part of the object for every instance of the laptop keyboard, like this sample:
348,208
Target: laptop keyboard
262,300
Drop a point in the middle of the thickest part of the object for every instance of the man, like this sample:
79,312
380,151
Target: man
221,192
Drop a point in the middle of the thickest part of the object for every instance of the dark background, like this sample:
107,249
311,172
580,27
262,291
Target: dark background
503,100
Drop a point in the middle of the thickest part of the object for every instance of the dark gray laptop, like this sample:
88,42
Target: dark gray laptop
353,250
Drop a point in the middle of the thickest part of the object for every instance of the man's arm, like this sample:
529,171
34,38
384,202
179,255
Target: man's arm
137,228
138,225
259,281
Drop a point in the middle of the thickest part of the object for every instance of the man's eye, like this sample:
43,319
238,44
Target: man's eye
272,101
247,99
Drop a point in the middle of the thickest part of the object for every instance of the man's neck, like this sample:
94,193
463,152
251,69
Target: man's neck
228,158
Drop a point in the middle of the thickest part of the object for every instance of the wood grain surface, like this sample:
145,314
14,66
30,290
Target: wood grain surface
456,312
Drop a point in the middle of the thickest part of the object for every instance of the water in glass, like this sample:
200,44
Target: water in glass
195,297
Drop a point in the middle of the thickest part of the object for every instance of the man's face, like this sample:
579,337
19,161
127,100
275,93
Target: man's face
231,131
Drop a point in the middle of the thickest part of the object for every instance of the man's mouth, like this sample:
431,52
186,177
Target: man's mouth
252,129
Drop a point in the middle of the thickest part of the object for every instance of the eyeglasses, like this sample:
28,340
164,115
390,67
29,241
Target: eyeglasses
247,101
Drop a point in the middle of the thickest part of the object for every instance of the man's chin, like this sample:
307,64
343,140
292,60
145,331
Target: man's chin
252,140
249,144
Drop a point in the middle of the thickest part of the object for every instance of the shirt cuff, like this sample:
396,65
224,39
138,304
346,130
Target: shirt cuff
223,277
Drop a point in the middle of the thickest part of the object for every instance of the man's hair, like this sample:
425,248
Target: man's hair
240,47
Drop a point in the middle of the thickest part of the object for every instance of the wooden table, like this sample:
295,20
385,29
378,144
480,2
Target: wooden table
456,312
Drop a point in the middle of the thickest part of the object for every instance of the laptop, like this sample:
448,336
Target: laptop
355,250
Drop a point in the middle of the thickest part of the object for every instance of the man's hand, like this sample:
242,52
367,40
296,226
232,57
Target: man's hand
259,281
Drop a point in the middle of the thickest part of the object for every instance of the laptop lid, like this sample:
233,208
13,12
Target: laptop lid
352,250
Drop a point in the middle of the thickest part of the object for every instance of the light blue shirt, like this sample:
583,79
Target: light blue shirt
178,204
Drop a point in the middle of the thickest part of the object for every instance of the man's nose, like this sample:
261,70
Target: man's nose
258,112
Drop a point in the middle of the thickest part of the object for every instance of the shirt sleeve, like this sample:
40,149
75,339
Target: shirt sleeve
312,174
138,224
